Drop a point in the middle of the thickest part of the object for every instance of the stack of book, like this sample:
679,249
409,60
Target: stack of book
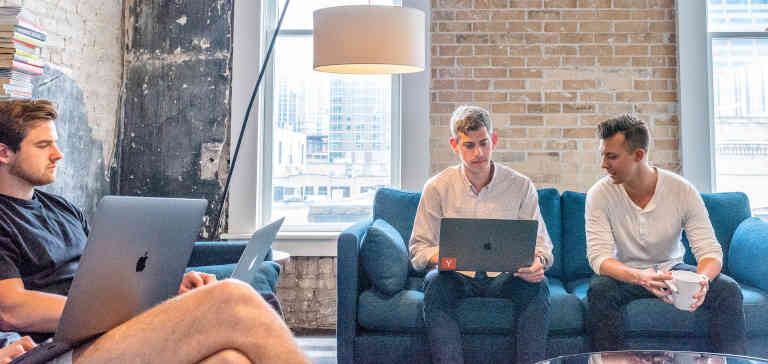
20,43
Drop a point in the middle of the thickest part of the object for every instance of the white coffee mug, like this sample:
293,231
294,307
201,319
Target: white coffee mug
684,285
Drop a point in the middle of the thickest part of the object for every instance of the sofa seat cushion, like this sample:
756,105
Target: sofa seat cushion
650,316
404,312
264,282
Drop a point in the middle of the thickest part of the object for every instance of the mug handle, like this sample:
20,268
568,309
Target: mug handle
671,286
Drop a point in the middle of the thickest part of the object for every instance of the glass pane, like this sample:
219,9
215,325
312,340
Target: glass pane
737,15
299,15
740,91
332,135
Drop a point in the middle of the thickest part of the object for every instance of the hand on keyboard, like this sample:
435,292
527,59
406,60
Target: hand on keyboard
16,349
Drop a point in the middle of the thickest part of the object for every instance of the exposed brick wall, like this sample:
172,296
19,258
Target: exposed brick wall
307,292
548,71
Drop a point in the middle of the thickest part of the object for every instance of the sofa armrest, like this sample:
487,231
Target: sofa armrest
218,252
347,282
749,252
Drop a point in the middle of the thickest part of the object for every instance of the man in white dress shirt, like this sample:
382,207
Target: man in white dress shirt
480,188
634,221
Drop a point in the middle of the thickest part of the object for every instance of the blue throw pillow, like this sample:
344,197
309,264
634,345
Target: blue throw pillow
385,257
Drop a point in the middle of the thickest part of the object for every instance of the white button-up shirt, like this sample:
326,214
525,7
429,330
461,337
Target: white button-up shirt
651,236
509,195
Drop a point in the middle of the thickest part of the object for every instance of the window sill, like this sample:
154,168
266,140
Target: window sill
299,243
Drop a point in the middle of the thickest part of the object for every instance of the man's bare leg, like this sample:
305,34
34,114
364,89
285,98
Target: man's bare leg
199,325
227,357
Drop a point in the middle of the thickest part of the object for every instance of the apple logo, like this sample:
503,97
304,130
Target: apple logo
487,246
142,262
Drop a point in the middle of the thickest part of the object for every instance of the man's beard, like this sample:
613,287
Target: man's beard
41,179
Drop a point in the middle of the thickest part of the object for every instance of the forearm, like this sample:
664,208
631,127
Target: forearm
31,311
710,267
617,270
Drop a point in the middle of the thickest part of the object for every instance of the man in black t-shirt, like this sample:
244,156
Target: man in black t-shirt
42,237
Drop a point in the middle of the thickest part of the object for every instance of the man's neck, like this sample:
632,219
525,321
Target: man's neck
643,186
480,180
14,187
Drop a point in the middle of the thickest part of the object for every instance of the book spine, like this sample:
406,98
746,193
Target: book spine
26,23
27,39
27,68
29,60
30,33
26,48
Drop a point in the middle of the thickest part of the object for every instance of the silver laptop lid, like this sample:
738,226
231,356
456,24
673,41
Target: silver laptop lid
489,245
134,259
255,251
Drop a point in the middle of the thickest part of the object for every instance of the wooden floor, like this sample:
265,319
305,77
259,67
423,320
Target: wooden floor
321,349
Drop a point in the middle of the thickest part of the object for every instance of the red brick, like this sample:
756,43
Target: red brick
454,73
454,96
611,38
438,15
561,27
543,62
490,73
443,38
666,144
473,15
579,61
614,61
579,15
454,4
507,61
560,4
508,84
655,108
525,3
666,4
543,108
595,27
443,84
474,85
455,50
473,61
647,61
663,27
490,4
631,27
615,108
595,50
524,96
560,96
661,96
524,73
538,38
636,4
438,108
442,61
543,15
655,14
492,50
490,96
633,50
561,50
578,108
527,120
615,14
665,73
595,4
454,27
578,133
577,38
525,27
663,50
646,38
485,27
578,84
670,120
627,96
595,96
526,51
650,85
472,38
500,15
506,38
508,108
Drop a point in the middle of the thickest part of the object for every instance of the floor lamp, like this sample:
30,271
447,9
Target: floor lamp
362,39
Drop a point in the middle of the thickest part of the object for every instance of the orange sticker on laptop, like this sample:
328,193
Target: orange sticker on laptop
448,263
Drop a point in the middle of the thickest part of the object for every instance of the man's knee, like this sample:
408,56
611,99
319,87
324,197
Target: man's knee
228,356
232,293
726,287
601,288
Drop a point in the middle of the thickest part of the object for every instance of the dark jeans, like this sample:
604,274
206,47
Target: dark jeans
442,292
607,296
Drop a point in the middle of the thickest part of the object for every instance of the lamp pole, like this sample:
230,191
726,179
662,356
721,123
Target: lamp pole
217,220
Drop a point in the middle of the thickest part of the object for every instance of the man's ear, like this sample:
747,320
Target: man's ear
639,154
454,144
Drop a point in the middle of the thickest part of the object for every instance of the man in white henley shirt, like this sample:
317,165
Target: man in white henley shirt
634,220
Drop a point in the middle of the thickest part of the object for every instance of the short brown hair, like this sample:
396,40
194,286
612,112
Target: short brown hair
18,116
636,132
468,118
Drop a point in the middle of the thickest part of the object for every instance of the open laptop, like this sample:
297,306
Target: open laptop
255,251
489,245
134,259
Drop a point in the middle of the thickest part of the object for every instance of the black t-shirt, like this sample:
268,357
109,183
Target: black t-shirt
41,241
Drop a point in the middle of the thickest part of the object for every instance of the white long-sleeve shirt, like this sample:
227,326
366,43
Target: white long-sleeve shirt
509,195
641,238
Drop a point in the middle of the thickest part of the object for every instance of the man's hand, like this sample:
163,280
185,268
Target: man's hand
433,260
15,349
701,294
192,280
532,274
654,282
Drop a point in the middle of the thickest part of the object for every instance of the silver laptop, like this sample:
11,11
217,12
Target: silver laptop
489,245
254,253
134,259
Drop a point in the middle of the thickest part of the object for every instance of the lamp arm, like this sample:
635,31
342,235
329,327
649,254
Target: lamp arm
217,220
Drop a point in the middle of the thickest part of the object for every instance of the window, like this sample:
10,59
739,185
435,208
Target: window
336,131
739,49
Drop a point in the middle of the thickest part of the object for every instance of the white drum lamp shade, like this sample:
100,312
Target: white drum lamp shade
369,40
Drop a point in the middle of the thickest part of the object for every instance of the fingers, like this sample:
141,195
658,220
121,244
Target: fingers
26,342
208,278
700,296
15,349
535,267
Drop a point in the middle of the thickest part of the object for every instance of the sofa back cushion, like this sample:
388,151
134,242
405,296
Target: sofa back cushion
398,208
575,264
384,257
549,204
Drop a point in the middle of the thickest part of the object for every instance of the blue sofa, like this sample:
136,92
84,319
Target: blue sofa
219,258
378,324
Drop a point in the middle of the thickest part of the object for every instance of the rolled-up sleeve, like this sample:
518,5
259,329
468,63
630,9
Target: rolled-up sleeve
698,228
426,228
600,242
529,209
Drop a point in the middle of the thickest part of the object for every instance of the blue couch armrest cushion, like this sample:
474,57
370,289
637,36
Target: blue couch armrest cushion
748,253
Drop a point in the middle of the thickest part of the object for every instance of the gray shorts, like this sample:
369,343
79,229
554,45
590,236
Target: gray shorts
65,358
